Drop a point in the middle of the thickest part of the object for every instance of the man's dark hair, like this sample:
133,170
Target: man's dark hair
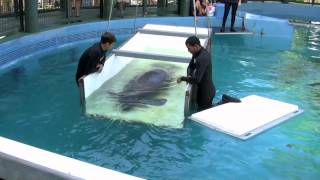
108,37
193,40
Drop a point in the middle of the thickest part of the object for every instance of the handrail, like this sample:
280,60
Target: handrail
110,14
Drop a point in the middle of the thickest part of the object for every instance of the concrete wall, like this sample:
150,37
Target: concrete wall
20,161
292,11
24,47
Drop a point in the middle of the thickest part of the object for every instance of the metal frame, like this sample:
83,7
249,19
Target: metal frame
151,56
170,33
268,125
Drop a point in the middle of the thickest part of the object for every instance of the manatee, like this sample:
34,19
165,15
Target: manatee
143,89
314,84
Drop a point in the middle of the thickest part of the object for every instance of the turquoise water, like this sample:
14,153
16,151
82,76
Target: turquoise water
39,105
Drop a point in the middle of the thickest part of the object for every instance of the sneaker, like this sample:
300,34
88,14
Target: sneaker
222,29
226,98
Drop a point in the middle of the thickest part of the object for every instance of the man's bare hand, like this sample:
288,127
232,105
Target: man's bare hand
99,67
179,80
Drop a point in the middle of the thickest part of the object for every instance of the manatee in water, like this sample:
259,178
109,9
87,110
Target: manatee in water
314,84
142,89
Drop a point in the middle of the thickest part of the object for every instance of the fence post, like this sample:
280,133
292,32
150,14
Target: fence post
31,10
65,8
106,8
21,15
101,9
16,7
144,7
161,8
184,7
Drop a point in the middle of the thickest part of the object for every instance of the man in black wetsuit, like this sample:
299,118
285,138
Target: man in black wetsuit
200,73
92,60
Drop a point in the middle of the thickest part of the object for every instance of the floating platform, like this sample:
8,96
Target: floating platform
239,31
254,115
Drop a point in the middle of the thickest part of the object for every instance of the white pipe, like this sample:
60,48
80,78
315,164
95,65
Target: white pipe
135,18
195,17
110,13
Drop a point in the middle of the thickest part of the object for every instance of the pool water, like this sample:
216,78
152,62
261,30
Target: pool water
39,105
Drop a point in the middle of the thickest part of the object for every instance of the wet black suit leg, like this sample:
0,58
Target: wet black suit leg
204,100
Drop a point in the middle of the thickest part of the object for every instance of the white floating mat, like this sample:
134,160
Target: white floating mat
253,115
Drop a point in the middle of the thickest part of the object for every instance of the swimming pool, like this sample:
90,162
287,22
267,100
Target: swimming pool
40,106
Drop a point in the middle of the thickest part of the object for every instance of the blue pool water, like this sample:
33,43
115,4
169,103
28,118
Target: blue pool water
39,105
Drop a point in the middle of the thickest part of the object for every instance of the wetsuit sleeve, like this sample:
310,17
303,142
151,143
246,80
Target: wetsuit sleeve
190,70
188,79
102,61
197,73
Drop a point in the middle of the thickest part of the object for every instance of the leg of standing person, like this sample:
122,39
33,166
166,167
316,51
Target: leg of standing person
204,104
121,7
225,15
233,18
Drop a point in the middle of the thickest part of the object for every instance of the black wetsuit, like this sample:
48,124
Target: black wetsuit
89,60
200,73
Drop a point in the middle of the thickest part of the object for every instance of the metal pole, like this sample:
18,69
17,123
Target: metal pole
184,7
16,8
21,15
161,8
31,16
66,8
135,18
144,7
110,13
101,8
107,8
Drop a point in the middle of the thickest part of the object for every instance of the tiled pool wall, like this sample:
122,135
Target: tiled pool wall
22,47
